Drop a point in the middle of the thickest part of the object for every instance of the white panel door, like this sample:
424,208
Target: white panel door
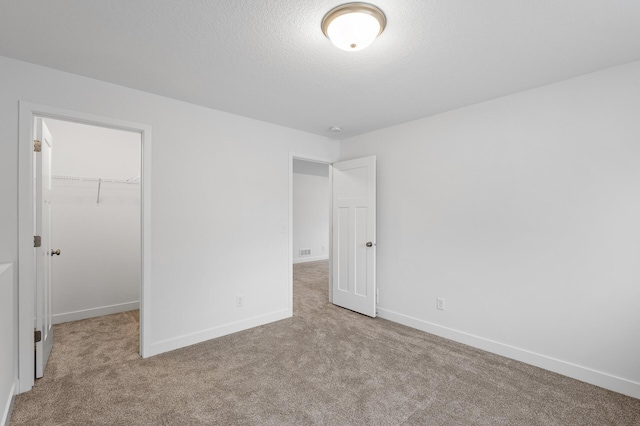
43,319
354,235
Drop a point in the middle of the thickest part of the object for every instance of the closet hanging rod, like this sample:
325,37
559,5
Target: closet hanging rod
132,180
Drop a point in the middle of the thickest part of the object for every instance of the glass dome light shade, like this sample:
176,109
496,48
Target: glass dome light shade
353,26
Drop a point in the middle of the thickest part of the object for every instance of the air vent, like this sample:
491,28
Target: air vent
305,252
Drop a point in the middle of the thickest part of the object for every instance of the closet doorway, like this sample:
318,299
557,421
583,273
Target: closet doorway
34,174
95,217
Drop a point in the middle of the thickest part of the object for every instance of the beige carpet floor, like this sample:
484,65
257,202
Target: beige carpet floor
326,365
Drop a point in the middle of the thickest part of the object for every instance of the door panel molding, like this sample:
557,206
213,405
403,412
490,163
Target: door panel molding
354,235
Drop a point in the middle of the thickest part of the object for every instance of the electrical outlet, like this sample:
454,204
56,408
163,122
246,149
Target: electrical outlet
440,303
239,300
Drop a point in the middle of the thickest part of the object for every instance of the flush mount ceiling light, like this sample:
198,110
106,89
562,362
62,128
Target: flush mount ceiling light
353,26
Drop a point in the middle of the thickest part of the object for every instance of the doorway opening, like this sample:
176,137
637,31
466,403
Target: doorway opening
98,189
309,217
311,191
352,239
95,216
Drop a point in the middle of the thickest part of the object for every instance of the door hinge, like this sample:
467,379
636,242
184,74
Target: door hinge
37,146
37,336
37,241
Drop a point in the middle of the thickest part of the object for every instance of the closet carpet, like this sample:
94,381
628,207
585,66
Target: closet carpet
326,365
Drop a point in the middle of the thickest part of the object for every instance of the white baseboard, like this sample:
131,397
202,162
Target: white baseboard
95,312
598,378
212,333
310,259
6,411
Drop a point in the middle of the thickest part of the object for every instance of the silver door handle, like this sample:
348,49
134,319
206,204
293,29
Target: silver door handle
57,251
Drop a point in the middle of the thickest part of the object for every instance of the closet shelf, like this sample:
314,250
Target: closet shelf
131,180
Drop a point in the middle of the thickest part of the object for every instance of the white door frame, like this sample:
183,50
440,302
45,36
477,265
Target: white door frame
312,159
26,263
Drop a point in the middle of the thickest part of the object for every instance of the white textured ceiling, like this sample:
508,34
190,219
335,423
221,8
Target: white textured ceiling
269,59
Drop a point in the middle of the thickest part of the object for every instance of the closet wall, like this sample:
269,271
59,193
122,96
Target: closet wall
98,232
310,211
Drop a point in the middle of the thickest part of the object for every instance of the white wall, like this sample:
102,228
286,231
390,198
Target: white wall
310,210
219,189
98,271
8,348
523,213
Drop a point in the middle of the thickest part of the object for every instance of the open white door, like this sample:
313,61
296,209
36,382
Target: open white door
43,318
354,235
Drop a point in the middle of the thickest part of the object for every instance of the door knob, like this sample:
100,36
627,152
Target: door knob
57,251
369,244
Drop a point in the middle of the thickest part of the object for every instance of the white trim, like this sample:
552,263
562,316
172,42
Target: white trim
26,273
9,297
95,312
598,378
8,408
310,259
290,260
215,332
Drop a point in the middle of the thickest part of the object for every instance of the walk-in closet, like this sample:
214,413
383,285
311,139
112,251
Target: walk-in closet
95,216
